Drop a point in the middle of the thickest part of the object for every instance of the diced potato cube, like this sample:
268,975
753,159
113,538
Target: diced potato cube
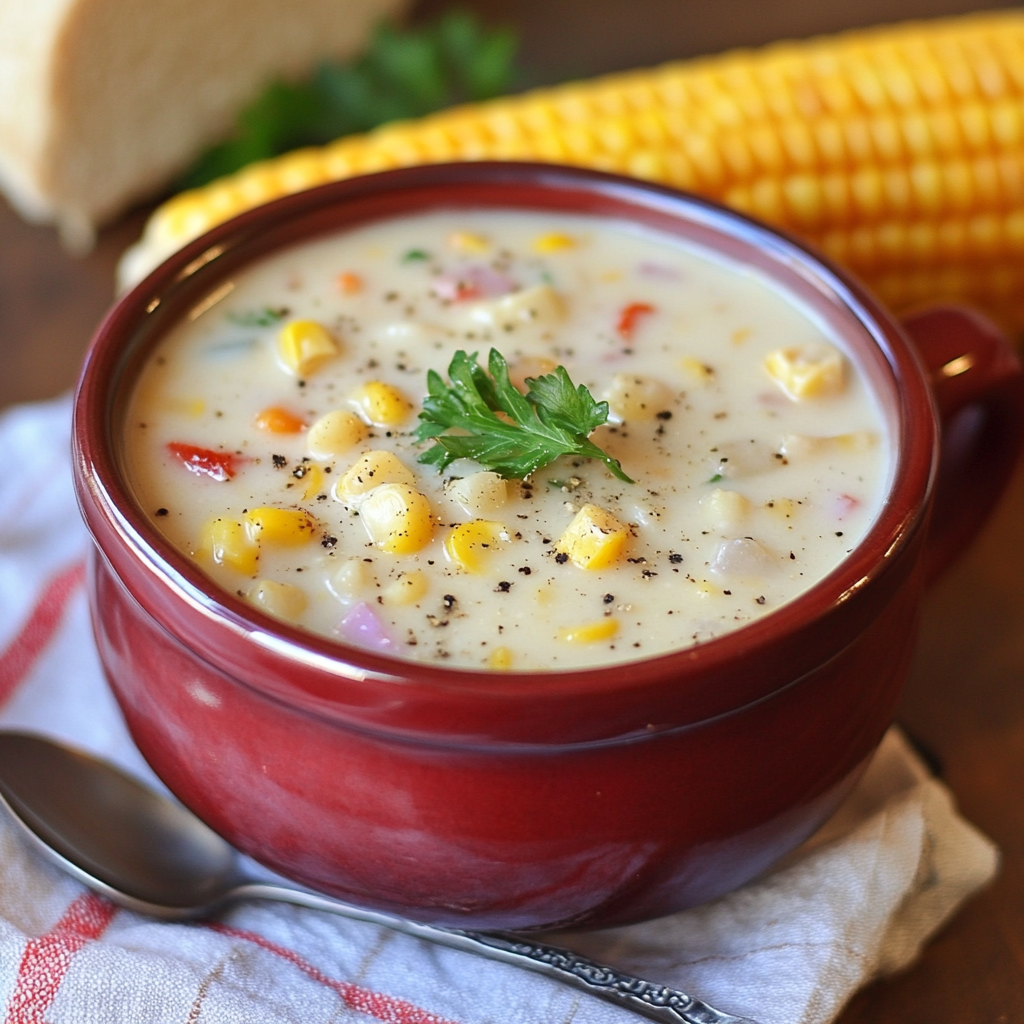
802,446
529,366
807,371
466,241
553,242
382,404
595,539
480,494
700,374
282,527
228,543
725,509
470,544
632,397
282,600
408,588
276,420
538,305
350,579
335,433
303,346
397,518
590,632
500,659
368,472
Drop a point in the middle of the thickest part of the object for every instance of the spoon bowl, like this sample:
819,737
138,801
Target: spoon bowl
149,854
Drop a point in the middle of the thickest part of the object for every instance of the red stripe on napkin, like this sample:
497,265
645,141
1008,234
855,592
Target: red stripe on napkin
374,1004
35,635
46,959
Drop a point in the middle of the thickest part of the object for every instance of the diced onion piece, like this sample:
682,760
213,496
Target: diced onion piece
368,472
408,588
595,539
470,544
590,632
362,627
282,527
335,433
282,600
228,543
725,509
382,404
397,518
632,397
303,346
807,371
743,558
480,494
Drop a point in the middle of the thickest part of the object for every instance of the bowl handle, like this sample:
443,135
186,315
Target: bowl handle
978,383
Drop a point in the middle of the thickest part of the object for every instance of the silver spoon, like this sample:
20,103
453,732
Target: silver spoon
149,854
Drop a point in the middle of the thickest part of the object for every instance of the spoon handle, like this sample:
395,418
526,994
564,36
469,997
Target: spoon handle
657,1002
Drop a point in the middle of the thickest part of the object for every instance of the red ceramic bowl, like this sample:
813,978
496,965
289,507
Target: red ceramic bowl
513,800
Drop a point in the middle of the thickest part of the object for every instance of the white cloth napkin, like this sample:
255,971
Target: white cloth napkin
855,902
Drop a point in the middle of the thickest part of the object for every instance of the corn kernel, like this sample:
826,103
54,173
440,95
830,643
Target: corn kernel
334,434
700,373
632,397
311,478
282,600
806,371
276,420
368,472
228,543
283,527
382,404
480,494
408,588
594,539
725,509
397,518
500,659
304,346
705,589
471,544
554,242
465,241
527,367
590,632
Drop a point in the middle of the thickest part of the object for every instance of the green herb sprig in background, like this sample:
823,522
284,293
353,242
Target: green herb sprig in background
404,73
554,418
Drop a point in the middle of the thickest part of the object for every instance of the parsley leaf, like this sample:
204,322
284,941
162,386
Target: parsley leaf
505,431
265,317
404,73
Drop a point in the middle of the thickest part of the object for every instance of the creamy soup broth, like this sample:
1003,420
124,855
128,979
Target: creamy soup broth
758,454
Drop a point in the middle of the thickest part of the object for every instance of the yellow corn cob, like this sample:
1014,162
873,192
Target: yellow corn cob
899,151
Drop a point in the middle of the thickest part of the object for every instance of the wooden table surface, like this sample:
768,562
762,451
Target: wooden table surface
965,698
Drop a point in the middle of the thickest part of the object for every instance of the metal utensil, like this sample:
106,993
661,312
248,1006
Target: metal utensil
147,853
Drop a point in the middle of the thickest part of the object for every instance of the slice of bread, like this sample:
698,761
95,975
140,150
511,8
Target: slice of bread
102,102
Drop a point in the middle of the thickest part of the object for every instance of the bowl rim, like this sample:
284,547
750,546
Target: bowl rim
838,597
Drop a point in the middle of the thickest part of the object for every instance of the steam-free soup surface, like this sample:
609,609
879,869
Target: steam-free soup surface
270,438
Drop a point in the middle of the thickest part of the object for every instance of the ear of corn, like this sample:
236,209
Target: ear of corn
899,151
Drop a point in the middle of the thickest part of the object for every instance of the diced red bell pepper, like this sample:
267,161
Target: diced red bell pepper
216,465
630,317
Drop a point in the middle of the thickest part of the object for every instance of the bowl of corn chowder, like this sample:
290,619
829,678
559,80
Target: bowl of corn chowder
518,546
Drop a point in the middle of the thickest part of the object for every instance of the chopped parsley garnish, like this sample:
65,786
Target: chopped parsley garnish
415,256
265,317
506,432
